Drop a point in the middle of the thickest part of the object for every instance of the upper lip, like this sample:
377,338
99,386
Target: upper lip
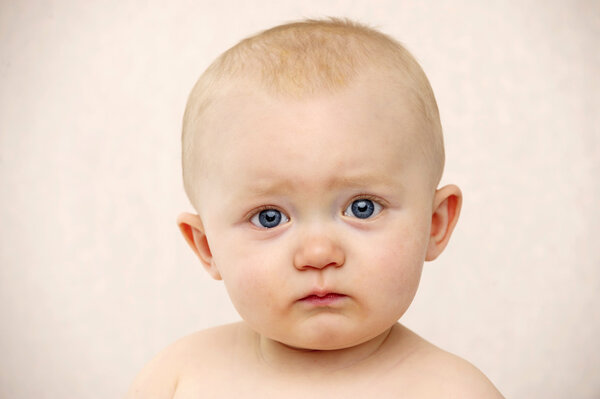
320,293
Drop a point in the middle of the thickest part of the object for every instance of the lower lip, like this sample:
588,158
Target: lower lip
326,300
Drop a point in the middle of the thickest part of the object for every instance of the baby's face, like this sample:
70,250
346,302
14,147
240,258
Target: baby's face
317,212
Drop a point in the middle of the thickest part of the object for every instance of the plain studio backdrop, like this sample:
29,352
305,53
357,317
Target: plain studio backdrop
95,278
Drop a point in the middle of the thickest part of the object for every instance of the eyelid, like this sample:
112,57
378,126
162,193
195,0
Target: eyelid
371,197
383,203
261,208
250,215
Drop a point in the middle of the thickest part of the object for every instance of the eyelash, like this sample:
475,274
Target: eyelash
369,197
365,196
261,208
258,210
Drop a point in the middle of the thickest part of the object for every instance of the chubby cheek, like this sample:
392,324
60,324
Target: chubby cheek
250,280
395,270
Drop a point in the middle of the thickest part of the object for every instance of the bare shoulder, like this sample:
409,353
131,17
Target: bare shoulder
457,378
159,379
441,374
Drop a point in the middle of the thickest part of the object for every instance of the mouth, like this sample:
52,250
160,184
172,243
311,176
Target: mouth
323,299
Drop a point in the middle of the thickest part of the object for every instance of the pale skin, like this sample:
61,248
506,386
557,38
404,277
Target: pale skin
318,215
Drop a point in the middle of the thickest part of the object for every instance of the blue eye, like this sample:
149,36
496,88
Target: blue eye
363,208
269,218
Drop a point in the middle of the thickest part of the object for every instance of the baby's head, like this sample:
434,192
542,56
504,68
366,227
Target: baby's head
312,152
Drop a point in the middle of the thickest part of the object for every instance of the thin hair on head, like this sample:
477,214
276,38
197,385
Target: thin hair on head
303,59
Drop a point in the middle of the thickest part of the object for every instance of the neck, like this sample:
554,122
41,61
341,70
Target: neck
287,359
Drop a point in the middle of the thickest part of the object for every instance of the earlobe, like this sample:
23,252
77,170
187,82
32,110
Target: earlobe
192,229
446,209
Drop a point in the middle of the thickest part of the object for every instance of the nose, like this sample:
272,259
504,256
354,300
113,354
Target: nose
318,252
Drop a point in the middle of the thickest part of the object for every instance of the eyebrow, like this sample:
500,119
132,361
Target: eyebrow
276,186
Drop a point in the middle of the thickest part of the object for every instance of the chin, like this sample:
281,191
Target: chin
313,345
329,340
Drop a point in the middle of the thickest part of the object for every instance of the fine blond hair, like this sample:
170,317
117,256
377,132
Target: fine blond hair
305,58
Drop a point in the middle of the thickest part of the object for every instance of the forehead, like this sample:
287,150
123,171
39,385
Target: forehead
368,128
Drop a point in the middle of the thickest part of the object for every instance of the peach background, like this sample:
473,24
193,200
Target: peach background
95,278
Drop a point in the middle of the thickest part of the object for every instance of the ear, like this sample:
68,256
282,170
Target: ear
193,231
446,208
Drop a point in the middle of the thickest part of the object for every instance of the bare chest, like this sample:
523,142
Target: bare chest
253,386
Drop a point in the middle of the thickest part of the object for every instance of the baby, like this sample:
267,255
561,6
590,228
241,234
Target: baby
312,153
